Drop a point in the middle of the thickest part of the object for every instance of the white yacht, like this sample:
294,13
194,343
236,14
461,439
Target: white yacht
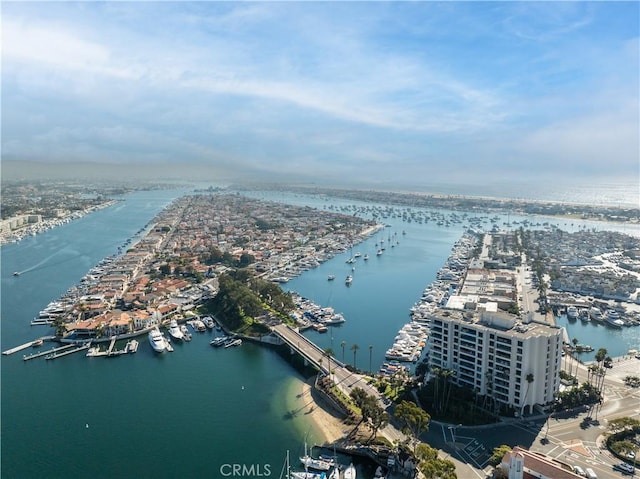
156,339
613,319
595,314
209,322
348,280
175,331
572,312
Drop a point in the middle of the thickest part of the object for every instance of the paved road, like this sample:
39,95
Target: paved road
570,437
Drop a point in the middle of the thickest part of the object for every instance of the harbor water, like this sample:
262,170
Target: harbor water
190,412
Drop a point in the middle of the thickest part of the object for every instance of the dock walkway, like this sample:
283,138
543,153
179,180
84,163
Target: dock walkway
47,352
59,354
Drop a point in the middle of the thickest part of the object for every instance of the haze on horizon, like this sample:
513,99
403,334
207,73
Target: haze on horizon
366,93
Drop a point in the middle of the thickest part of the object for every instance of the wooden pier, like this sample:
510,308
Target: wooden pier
57,355
111,345
49,351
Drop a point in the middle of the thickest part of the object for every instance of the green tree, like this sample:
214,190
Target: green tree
431,466
498,454
370,356
413,418
378,418
342,345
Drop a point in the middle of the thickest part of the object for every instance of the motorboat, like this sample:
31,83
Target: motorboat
331,277
349,279
613,319
232,342
595,314
208,322
572,312
156,339
219,341
175,331
186,335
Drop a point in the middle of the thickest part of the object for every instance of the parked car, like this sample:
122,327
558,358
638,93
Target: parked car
624,468
579,471
590,473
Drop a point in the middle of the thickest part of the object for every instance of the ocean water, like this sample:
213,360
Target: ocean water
191,412
181,414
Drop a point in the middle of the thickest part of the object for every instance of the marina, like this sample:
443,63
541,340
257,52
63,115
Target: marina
375,308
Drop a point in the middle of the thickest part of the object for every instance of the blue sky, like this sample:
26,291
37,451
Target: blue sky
386,93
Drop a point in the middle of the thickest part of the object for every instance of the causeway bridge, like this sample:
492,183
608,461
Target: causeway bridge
306,348
345,379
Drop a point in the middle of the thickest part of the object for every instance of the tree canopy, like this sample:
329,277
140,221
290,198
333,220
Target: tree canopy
413,418
431,466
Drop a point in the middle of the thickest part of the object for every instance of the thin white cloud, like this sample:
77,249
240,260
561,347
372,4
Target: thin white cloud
253,82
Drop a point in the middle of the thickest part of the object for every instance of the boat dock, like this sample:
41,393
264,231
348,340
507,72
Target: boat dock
130,348
21,347
111,345
48,352
59,354
42,322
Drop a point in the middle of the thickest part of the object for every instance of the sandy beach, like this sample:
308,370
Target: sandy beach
327,427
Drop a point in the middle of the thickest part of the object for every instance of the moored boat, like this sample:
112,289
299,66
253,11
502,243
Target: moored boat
613,319
219,341
316,463
209,322
157,340
175,331
233,342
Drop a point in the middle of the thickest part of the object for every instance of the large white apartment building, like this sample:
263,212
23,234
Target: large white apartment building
515,361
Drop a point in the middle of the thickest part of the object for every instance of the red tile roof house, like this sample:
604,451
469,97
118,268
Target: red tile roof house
523,464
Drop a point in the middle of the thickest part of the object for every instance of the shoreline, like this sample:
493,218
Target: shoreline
324,424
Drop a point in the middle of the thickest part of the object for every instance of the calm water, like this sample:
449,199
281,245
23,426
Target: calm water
599,335
186,413
183,414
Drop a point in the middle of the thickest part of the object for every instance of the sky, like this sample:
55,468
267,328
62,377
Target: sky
379,93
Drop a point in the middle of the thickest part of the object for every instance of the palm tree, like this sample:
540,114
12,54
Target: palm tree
370,355
436,381
529,379
354,348
328,353
446,392
575,343
343,344
601,355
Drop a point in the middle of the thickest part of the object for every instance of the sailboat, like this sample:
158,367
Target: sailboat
287,473
312,463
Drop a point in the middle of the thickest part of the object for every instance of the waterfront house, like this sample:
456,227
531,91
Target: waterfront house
117,322
142,319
